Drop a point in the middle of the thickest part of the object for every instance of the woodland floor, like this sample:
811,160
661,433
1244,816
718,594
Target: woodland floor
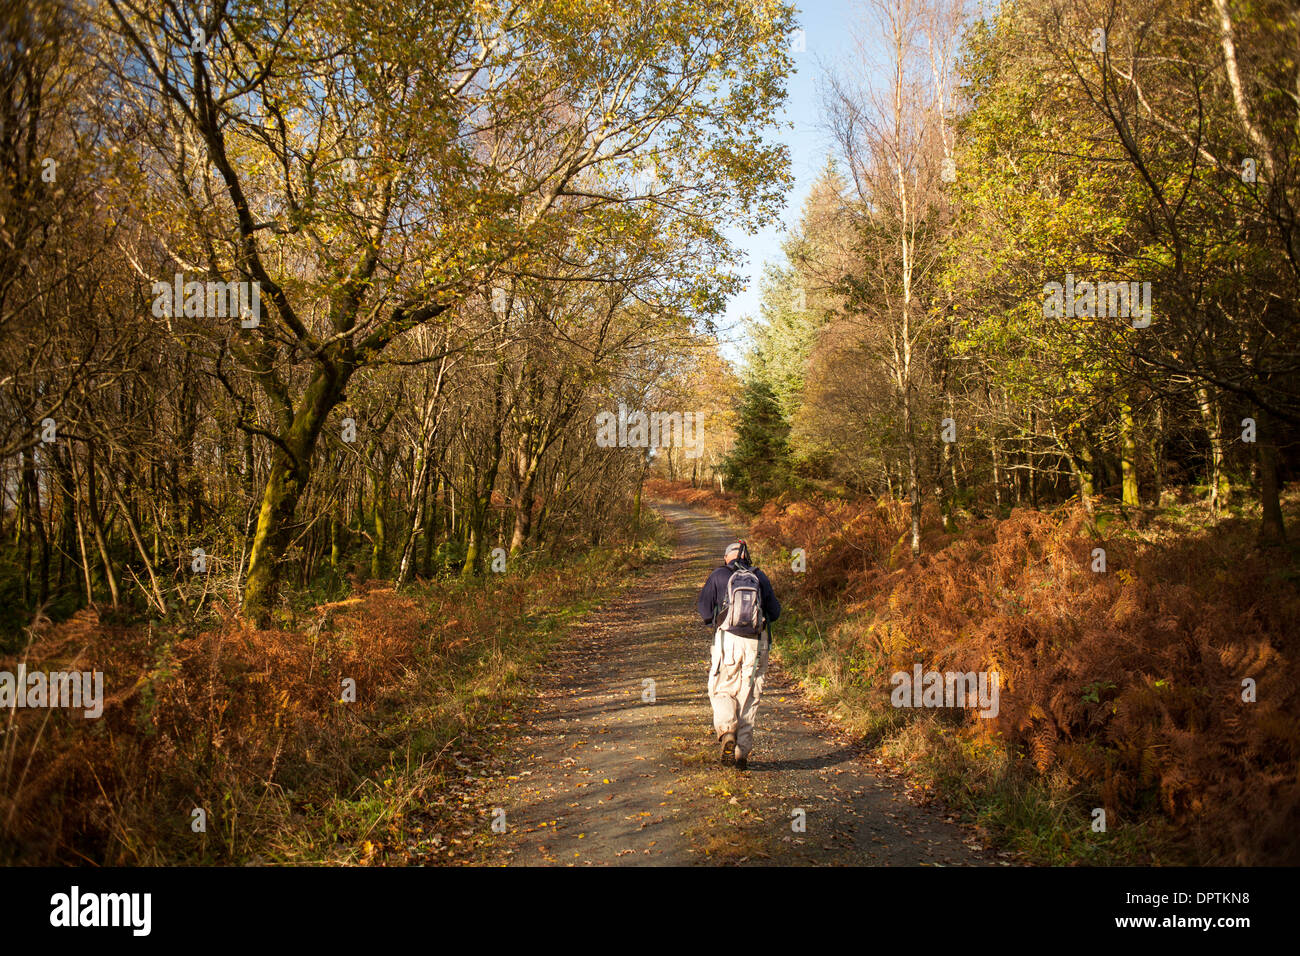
590,774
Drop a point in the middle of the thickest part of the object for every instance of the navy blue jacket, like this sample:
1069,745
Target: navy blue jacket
714,594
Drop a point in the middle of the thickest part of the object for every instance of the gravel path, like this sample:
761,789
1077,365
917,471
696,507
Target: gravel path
615,762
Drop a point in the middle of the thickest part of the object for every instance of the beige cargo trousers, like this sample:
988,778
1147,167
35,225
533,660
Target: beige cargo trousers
736,671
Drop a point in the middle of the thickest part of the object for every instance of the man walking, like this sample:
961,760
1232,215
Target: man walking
738,601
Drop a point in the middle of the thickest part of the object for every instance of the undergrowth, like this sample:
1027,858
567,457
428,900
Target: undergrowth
255,729
1123,690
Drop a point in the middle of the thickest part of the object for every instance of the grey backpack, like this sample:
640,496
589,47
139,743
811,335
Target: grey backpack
744,611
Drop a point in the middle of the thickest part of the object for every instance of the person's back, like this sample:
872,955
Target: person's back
738,601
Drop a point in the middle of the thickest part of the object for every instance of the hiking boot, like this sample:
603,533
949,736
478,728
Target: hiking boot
728,748
742,763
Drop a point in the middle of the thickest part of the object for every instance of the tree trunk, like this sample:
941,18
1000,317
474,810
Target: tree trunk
432,533
290,471
379,541
941,495
997,473
1080,466
913,472
81,531
525,481
97,525
36,526
476,523
336,538
1128,455
69,525
419,523
1212,418
1158,452
139,545
1272,529
640,482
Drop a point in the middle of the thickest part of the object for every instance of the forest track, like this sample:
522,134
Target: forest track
598,775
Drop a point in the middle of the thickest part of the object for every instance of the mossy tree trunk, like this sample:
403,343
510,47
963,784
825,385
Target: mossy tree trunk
1128,454
290,471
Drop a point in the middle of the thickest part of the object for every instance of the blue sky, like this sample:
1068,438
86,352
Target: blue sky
828,39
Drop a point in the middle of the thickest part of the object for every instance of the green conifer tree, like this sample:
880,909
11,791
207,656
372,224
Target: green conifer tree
759,463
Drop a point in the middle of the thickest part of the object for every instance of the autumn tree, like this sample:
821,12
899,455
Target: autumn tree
371,169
